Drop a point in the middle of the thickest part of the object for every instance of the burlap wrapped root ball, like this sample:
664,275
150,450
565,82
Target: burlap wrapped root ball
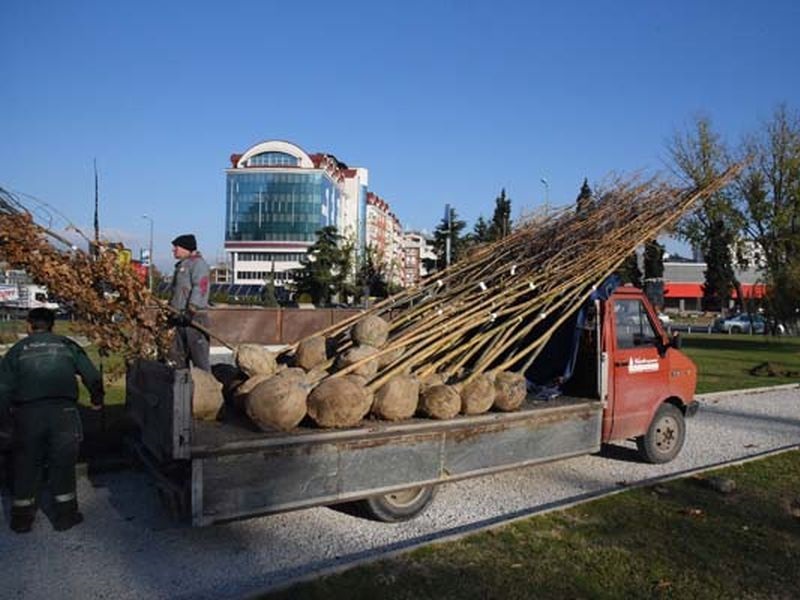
244,388
386,359
311,353
477,396
339,402
370,331
397,399
277,402
440,401
510,391
206,395
255,360
356,354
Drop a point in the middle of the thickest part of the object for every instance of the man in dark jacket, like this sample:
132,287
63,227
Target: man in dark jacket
38,386
189,299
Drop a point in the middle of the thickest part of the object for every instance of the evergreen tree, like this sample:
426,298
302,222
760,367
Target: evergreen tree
719,276
480,232
584,200
458,243
500,226
268,297
325,267
629,271
654,273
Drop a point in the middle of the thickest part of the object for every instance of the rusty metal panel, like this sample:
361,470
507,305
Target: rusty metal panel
238,325
280,479
561,434
272,326
389,462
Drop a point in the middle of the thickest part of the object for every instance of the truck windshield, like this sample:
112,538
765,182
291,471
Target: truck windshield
633,325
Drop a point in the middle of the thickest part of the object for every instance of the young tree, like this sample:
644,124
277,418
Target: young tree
458,243
500,226
698,156
371,276
480,232
325,267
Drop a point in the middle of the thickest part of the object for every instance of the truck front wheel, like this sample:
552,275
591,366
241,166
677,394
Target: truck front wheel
398,506
665,436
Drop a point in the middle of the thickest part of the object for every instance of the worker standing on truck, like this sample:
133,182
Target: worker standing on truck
38,386
189,300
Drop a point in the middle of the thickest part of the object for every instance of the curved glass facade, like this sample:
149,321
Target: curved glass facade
273,159
279,206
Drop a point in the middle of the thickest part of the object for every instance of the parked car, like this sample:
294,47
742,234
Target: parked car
743,323
664,318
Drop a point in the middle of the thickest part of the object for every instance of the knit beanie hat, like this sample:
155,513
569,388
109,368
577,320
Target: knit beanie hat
186,241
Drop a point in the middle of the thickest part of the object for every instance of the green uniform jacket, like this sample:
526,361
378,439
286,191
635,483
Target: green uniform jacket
43,366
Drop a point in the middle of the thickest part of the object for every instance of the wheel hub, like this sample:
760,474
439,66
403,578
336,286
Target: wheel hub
666,434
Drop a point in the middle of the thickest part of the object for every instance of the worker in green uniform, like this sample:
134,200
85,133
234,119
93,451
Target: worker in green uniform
39,388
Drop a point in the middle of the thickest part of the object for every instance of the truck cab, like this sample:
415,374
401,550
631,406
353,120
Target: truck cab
650,383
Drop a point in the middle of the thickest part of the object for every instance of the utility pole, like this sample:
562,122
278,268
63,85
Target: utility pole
448,216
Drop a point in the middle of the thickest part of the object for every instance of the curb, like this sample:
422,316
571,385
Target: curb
756,390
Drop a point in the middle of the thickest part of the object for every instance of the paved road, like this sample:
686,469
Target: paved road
129,549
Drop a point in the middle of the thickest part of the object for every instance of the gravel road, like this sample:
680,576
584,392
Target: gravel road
128,548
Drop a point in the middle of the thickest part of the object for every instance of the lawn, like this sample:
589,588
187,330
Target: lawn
682,539
726,362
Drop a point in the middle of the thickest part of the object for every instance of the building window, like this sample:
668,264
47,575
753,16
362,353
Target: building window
273,159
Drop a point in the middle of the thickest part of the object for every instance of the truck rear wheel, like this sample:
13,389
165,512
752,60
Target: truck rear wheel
402,505
665,436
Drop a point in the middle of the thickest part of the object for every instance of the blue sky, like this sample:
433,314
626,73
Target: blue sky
443,101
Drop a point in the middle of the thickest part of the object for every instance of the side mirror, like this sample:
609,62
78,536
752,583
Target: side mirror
676,341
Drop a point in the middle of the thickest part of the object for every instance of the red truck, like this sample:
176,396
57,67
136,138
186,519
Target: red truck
624,379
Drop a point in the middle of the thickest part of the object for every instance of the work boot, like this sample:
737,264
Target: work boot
66,515
22,518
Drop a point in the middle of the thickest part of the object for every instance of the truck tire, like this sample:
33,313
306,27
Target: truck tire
736,329
665,436
395,507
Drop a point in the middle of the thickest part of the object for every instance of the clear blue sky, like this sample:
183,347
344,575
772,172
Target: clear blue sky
443,101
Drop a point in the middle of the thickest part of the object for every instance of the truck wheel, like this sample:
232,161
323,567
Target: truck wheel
736,329
665,436
398,506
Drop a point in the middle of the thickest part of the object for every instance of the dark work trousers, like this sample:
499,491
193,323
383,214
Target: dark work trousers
45,432
190,344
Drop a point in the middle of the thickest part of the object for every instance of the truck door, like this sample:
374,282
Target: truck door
637,367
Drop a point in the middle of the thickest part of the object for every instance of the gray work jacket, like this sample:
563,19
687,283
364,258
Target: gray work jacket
190,284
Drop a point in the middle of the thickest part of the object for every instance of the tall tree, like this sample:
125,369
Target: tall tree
769,190
500,226
325,267
698,156
458,243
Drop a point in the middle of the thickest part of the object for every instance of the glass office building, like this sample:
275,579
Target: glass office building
280,206
277,198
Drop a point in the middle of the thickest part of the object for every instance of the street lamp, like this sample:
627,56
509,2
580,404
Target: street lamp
546,195
150,254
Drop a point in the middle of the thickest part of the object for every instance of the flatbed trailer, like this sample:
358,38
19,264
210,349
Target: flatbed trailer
208,472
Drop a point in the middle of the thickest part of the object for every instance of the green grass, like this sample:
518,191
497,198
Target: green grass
724,361
677,540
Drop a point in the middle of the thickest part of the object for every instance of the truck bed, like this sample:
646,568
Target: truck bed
229,469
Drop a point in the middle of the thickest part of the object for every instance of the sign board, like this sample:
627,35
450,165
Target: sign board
9,293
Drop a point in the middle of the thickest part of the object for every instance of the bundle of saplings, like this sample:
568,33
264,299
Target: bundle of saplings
462,340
